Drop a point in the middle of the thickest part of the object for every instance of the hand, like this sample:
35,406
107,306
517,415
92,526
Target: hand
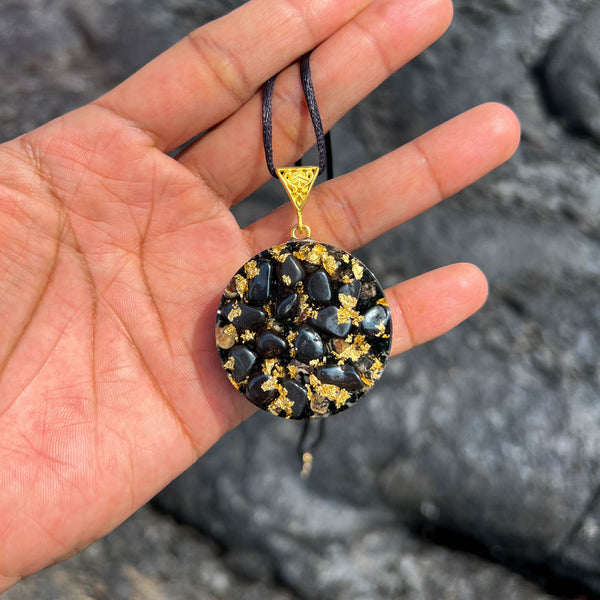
113,255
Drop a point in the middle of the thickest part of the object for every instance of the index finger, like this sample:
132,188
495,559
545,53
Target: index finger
215,69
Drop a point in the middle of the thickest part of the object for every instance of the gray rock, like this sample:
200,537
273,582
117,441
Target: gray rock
572,71
153,558
580,550
149,557
330,537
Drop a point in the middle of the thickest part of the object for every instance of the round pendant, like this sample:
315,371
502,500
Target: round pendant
303,330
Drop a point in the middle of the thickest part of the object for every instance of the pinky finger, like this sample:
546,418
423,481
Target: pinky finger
428,306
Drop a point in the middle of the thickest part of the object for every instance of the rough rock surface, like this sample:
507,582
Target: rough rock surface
572,72
489,434
149,557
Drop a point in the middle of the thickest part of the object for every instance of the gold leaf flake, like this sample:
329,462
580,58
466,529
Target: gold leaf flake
277,252
291,338
376,366
374,373
357,269
317,254
234,383
330,392
251,269
270,384
381,331
230,364
366,379
287,280
346,315
269,365
281,403
383,302
329,264
304,311
234,313
248,335
348,302
352,351
241,285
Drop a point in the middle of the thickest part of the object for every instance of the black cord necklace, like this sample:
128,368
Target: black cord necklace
323,139
303,328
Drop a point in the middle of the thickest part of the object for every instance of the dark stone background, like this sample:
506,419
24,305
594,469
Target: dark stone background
474,469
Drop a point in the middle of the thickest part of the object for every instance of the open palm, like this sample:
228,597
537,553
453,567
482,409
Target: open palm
113,255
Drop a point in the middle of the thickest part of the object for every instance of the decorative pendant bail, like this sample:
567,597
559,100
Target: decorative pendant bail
298,182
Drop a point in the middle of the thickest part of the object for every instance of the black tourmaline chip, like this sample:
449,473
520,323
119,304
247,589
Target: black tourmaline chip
290,271
328,320
297,394
269,344
309,345
344,376
256,392
351,289
287,306
260,288
304,330
318,287
243,361
243,316
376,320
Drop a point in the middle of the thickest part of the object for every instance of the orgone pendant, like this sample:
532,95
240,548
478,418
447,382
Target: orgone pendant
303,328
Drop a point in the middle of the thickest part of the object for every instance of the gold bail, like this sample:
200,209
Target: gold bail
298,182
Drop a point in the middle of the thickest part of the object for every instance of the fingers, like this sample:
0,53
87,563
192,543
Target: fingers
428,306
345,68
213,71
351,210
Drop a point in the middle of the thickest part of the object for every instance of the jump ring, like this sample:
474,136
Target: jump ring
298,230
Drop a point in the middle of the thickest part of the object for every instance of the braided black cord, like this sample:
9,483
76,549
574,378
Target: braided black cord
323,140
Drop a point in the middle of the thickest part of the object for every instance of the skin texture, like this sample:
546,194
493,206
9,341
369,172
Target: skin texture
113,255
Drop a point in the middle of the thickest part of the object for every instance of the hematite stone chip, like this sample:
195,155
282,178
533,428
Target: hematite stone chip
311,329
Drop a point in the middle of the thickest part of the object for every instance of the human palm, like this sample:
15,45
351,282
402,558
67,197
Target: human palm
113,255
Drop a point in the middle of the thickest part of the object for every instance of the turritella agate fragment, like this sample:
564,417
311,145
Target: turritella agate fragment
303,330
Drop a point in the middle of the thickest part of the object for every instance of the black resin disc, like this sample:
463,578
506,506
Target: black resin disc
303,330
